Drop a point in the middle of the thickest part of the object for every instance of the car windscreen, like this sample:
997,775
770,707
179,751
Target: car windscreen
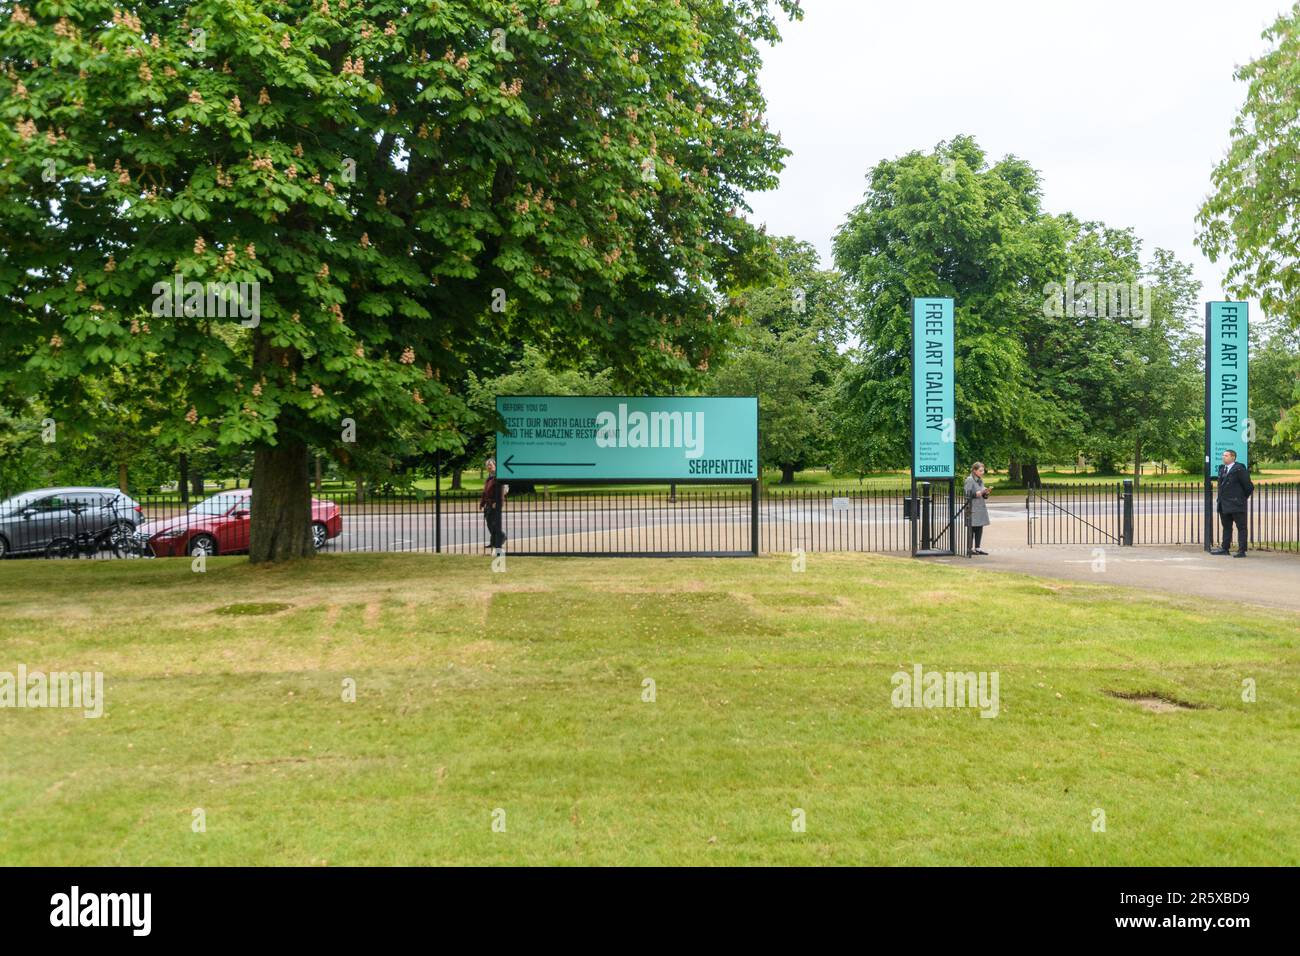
216,505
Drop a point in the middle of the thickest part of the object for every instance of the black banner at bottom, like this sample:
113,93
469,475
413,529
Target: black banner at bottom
334,906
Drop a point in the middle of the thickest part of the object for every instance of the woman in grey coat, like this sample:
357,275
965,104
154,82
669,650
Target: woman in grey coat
977,509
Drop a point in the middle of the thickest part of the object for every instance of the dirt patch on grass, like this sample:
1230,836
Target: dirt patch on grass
794,600
938,595
1155,702
251,610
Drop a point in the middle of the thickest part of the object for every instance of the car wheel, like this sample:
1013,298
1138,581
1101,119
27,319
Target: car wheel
203,544
120,535
319,534
4,549
61,548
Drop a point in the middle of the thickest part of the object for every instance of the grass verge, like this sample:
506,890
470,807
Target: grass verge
523,692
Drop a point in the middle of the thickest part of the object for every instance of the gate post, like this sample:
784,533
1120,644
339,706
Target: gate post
1128,513
952,516
753,518
437,502
926,530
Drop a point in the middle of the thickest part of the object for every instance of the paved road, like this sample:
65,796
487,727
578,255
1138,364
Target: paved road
1262,579
868,524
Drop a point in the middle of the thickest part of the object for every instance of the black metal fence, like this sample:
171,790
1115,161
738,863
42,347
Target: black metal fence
815,521
1274,522
609,521
598,521
1167,513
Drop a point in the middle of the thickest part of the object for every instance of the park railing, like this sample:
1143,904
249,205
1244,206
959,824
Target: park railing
662,521
1164,513
1169,512
869,519
667,521
1274,518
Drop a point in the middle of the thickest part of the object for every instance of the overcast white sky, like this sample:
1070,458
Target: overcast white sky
1123,107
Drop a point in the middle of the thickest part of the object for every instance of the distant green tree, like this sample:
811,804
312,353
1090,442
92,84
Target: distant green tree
535,375
790,355
27,459
946,223
782,370
1275,394
1132,383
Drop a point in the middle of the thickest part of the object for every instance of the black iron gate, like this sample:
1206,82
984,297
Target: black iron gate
1083,513
1158,512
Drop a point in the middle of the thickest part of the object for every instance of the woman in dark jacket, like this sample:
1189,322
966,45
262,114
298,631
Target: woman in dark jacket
977,509
492,502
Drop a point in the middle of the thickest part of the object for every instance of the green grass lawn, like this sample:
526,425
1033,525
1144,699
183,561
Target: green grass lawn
522,691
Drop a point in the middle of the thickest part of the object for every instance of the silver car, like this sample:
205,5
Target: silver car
36,520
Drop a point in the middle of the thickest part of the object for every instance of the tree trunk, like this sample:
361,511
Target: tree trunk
361,490
455,479
1029,471
787,474
1013,472
183,469
121,478
280,527
1137,462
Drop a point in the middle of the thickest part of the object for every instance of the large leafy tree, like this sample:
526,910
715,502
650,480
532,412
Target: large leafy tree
1250,217
1039,376
405,184
1275,393
947,223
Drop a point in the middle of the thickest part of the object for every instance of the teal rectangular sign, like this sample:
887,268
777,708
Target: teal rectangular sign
626,438
934,428
1227,381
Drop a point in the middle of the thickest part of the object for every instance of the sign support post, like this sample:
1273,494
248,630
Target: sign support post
1227,392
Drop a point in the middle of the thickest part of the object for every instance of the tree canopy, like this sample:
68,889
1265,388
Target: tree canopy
1250,216
405,186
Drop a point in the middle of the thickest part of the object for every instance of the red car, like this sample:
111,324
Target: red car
219,525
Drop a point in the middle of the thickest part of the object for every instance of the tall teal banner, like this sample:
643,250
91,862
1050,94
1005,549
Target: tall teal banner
627,438
934,427
1227,381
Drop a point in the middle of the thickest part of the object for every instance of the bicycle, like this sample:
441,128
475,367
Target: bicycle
113,539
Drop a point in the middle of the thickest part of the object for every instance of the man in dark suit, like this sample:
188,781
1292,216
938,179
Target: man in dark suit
1235,488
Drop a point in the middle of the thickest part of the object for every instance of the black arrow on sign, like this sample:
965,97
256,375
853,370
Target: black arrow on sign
547,464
